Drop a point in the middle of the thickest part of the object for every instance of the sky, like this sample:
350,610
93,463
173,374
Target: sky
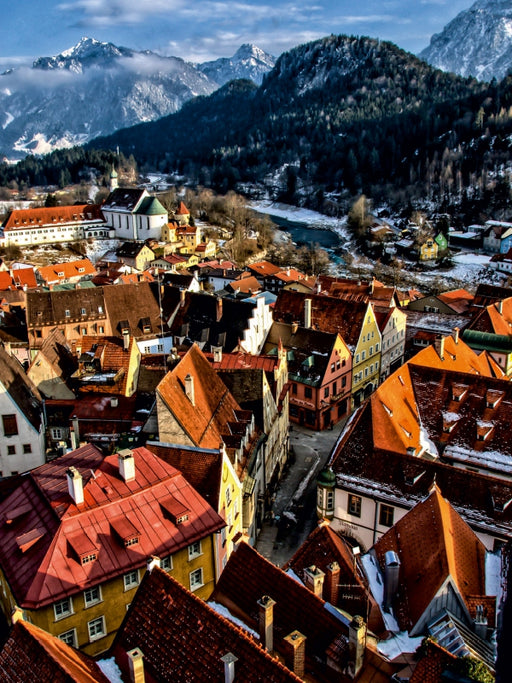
200,30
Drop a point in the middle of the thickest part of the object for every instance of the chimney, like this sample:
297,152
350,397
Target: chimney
294,646
356,645
16,615
126,341
266,621
152,562
439,346
229,660
499,306
183,294
332,579
217,354
75,485
480,622
391,576
314,580
136,665
126,463
114,401
456,331
219,309
189,389
307,313
295,327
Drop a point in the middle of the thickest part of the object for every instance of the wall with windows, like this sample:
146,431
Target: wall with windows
366,360
90,618
21,446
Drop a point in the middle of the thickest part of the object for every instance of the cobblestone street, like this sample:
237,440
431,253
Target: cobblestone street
294,508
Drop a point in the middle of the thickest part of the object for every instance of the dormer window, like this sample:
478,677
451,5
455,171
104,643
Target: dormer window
493,398
483,430
60,273
125,531
458,392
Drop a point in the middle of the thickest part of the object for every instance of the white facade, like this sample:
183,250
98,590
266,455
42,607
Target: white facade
22,447
49,234
259,326
393,342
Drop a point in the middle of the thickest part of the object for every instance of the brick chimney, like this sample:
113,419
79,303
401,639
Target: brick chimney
356,646
136,665
314,580
229,660
189,389
332,579
294,646
75,485
126,340
126,463
266,621
217,354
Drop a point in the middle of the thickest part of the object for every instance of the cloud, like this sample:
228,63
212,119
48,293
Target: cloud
101,14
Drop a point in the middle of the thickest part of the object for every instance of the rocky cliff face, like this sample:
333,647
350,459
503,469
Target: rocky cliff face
478,42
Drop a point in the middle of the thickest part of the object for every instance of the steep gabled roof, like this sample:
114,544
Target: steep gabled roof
323,546
248,577
31,654
459,300
496,318
183,639
328,313
207,420
433,544
21,388
45,533
133,303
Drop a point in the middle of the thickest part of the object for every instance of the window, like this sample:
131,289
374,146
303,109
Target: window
194,550
96,628
131,579
344,381
100,309
308,393
166,563
354,505
69,637
27,448
332,367
363,355
377,347
63,608
228,496
11,450
83,311
357,358
101,329
10,425
92,596
294,388
334,388
371,350
67,313
56,433
386,515
196,579
326,392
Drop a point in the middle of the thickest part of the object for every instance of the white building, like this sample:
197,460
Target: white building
134,215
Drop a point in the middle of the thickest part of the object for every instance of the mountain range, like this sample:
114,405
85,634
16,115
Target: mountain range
95,88
477,42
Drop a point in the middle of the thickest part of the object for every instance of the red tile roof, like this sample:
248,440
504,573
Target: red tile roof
31,654
24,277
433,544
183,639
47,571
41,216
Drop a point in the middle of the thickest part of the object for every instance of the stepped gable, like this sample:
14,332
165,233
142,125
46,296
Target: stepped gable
210,319
323,546
45,532
248,577
328,313
31,654
135,305
434,545
201,467
183,639
21,388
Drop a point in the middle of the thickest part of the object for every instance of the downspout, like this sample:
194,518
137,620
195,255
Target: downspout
375,521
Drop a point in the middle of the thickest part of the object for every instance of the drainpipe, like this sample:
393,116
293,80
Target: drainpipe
375,521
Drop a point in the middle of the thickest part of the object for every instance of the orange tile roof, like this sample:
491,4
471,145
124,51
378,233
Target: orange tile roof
264,268
42,216
495,318
24,277
60,272
183,638
459,300
433,544
35,555
31,654
182,210
247,285
6,281
206,422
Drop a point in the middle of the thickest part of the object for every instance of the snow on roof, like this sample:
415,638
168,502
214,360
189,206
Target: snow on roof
376,581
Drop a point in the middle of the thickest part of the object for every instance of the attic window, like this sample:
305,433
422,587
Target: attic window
126,532
411,479
174,510
459,391
84,549
449,421
60,273
388,410
493,397
483,430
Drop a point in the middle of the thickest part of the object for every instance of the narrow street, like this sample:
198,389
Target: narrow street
294,509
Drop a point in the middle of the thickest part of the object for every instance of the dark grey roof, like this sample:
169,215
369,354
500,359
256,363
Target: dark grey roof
21,389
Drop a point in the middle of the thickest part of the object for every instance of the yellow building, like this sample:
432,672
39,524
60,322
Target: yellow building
429,250
366,357
79,533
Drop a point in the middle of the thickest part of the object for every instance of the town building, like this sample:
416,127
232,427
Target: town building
134,215
79,531
68,271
